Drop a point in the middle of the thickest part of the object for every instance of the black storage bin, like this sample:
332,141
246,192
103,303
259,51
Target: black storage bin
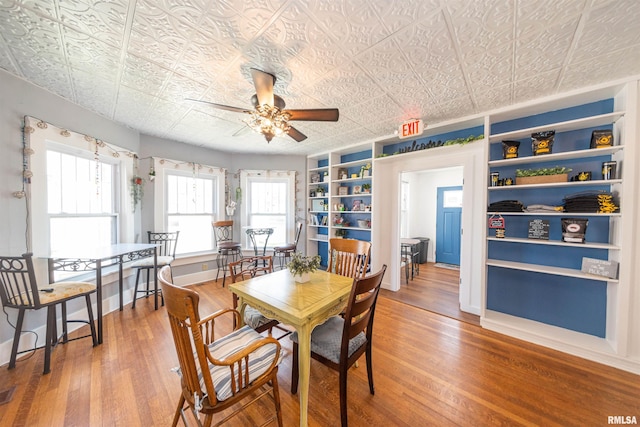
423,249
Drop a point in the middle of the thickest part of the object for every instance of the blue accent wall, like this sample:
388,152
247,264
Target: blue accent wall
571,303
575,304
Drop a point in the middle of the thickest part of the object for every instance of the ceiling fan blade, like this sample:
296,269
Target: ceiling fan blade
220,106
296,134
264,86
319,114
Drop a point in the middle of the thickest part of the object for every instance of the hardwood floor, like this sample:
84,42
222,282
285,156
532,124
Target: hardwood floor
428,370
434,289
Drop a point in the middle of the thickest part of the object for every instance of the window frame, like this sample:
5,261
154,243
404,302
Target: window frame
246,176
38,137
165,167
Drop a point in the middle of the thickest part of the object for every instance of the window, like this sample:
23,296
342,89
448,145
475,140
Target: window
269,202
191,208
74,201
81,201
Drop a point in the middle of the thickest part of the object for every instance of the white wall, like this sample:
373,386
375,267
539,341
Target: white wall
423,198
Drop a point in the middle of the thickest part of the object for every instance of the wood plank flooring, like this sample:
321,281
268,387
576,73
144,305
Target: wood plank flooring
435,289
429,370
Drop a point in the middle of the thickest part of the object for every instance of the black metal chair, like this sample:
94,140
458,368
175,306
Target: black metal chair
227,248
283,253
19,290
167,242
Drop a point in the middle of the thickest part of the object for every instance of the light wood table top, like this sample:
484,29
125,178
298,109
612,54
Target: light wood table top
301,305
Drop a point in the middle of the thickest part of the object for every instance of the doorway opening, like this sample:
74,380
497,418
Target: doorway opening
430,211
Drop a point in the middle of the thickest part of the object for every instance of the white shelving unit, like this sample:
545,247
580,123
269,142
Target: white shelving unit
510,253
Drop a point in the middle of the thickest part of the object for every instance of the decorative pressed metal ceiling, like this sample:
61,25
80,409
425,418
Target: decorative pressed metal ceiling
380,62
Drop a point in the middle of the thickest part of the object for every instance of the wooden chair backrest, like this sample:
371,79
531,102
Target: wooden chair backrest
249,267
360,310
182,310
349,257
168,240
18,287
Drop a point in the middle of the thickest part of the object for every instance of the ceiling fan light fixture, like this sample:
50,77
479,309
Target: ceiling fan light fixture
269,121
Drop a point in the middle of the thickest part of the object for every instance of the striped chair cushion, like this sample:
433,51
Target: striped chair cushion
148,262
259,360
327,338
254,318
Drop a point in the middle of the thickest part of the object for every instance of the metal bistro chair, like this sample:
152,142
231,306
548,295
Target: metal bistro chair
19,290
227,248
167,242
283,253
218,371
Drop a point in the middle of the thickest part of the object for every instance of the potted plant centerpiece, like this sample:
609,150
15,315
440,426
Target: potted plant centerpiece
301,267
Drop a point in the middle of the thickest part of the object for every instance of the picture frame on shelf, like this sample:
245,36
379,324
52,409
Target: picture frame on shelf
343,173
314,177
312,193
357,206
357,189
343,191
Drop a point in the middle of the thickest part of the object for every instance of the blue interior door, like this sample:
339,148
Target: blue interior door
448,219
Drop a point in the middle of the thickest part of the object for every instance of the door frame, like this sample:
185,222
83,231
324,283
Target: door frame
385,215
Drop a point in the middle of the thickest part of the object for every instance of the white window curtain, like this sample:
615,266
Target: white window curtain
268,201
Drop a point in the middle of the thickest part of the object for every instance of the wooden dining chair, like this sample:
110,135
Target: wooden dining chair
218,371
19,290
349,257
167,243
339,342
283,253
244,269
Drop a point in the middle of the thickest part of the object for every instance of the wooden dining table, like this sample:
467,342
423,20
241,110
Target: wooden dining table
301,305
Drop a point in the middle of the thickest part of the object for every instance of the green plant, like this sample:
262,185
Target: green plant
137,190
366,186
520,173
300,264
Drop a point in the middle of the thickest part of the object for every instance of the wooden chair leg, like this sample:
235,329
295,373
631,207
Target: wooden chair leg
343,395
16,339
370,370
276,397
178,413
294,369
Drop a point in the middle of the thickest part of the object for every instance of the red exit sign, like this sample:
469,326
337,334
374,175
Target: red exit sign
411,128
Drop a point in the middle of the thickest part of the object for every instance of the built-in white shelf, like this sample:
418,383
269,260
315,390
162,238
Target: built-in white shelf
557,184
582,123
554,214
588,245
547,269
566,155
364,178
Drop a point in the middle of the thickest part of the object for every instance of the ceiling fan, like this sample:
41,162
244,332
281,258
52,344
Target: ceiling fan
269,116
